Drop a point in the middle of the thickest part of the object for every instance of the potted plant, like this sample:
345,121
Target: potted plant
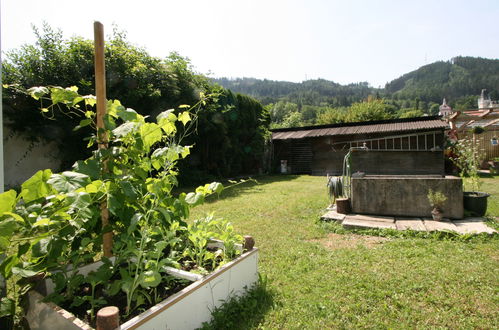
467,159
437,200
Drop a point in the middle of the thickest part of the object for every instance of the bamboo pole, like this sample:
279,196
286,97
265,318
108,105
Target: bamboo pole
102,138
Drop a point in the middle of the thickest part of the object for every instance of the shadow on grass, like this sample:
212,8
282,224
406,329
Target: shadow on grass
232,190
486,175
243,312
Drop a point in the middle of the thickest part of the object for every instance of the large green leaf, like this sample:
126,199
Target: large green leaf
68,181
7,201
37,92
83,123
184,117
194,198
128,189
114,107
7,264
23,272
36,186
125,129
166,120
7,228
150,134
127,114
7,307
168,115
79,200
216,187
63,95
150,279
89,167
41,247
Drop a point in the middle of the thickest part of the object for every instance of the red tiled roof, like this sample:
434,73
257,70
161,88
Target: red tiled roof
361,128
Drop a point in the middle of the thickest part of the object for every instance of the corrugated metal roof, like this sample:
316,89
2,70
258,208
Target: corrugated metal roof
363,128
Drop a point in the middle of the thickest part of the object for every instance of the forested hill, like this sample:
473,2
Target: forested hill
311,92
460,80
457,78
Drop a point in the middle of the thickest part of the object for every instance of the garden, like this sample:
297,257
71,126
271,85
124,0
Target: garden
118,230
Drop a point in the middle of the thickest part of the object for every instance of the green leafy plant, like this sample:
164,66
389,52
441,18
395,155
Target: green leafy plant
467,159
52,226
203,231
436,199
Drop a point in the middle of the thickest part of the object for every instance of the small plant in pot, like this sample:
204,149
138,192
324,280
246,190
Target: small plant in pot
437,200
468,161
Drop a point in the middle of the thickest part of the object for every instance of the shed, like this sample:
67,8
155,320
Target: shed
395,147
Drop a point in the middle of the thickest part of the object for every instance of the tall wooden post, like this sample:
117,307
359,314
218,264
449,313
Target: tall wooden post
1,120
102,138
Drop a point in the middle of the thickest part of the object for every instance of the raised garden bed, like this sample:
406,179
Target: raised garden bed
186,309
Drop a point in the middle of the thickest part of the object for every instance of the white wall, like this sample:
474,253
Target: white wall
23,158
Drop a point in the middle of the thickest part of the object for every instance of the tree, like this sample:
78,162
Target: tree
331,116
293,119
366,111
232,128
410,113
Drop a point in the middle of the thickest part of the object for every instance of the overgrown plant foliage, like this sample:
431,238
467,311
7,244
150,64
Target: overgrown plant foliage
231,129
467,158
54,221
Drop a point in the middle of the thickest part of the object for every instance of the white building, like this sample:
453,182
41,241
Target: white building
486,102
445,109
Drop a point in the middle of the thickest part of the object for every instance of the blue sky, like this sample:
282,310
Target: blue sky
343,41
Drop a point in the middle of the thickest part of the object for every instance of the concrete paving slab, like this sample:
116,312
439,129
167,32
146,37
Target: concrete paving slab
473,225
409,223
366,217
352,222
432,225
333,216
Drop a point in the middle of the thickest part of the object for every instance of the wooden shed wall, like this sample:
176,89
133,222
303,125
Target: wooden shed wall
326,156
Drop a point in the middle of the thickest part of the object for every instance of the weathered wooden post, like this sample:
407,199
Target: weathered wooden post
108,318
102,138
249,243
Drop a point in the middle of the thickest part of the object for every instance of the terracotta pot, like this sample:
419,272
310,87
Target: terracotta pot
343,205
436,213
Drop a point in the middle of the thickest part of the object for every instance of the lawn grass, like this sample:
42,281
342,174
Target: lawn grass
400,282
491,185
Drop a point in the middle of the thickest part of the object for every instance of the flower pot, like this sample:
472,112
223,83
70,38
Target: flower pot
186,309
343,205
475,202
436,213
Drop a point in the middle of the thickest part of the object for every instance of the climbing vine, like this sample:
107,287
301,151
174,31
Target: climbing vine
52,226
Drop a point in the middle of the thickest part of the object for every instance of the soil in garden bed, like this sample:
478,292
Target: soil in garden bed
164,290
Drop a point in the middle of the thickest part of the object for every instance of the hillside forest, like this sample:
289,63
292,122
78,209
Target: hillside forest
233,126
416,93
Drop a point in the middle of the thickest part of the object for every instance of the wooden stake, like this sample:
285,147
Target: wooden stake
249,243
102,138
